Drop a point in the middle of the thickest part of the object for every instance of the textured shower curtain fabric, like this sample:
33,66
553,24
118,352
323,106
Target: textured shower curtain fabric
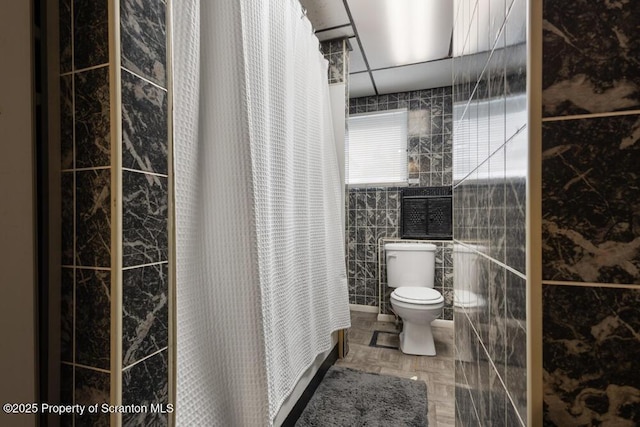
261,281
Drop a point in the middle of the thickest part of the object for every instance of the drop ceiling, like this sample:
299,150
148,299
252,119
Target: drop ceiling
403,45
398,45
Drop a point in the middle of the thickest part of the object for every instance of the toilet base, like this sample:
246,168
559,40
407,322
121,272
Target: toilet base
417,339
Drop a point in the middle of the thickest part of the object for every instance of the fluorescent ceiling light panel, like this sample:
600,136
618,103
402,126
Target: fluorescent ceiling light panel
401,32
414,77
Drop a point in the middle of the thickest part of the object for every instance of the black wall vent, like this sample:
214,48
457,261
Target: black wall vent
426,213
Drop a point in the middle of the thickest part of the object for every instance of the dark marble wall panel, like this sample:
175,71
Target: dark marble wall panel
65,32
91,387
591,217
144,125
93,318
92,119
93,218
85,136
90,33
67,309
145,312
516,341
146,383
498,401
144,38
497,206
66,392
590,356
67,219
66,122
145,210
490,148
498,322
86,146
515,202
591,49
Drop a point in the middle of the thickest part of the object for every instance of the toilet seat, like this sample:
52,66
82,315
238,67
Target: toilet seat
417,295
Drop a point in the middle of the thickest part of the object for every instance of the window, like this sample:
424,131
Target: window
377,148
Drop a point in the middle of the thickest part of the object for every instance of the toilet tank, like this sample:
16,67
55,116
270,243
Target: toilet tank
410,264
465,258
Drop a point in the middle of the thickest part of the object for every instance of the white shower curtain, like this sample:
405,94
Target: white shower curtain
261,281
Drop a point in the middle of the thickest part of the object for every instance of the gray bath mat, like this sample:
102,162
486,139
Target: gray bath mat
346,397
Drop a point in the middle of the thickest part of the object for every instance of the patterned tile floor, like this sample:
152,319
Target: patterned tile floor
437,372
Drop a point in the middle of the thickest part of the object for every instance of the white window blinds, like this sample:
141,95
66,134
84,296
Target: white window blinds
377,148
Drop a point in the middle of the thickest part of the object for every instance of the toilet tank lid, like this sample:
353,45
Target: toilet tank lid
429,247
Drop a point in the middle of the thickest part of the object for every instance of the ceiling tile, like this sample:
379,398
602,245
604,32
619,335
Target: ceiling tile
356,62
337,33
414,77
360,85
325,13
404,32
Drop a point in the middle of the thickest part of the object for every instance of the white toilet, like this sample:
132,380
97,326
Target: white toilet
466,297
410,269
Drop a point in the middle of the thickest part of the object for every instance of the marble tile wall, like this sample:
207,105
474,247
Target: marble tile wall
429,146
86,207
336,52
590,213
490,147
374,212
87,145
145,169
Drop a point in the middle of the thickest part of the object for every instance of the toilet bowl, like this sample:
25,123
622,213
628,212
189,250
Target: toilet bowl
410,270
417,307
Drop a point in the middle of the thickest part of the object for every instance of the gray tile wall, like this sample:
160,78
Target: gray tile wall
490,179
336,52
87,169
374,212
591,231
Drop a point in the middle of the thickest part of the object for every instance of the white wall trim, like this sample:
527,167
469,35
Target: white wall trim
386,318
115,88
591,116
592,284
363,308
534,217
